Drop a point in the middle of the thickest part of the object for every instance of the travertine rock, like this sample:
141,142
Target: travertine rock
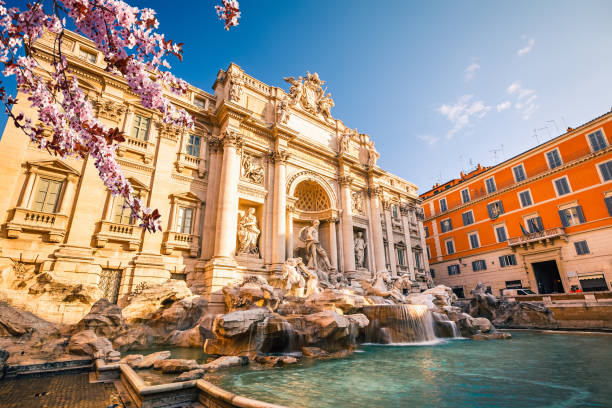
19,323
239,322
313,352
104,318
225,362
131,359
149,360
148,302
191,375
87,343
173,365
4,355
251,291
337,299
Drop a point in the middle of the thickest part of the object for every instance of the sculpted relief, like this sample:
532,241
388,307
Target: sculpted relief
357,202
248,233
360,250
310,95
251,170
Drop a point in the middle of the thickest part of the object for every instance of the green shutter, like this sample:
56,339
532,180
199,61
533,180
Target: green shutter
564,220
608,201
580,214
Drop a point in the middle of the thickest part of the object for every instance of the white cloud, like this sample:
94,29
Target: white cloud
525,99
429,139
527,48
461,112
470,71
503,106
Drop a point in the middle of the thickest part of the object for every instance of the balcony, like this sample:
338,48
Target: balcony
54,225
177,241
110,231
545,236
140,147
187,161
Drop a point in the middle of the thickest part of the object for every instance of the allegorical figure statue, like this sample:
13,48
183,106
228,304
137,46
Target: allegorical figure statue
248,233
317,256
360,250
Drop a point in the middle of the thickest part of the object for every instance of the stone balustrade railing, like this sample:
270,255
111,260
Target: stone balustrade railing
547,234
111,231
23,219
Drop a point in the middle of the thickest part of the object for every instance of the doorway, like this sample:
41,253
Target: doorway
547,277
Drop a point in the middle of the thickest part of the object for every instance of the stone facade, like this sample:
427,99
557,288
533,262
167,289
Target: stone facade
236,195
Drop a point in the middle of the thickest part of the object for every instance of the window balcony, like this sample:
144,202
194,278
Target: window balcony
53,224
187,161
544,237
139,147
178,241
110,231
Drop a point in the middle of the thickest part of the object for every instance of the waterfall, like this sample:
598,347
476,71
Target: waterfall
444,327
399,324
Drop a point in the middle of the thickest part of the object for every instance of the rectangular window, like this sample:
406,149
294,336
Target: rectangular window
514,284
88,56
123,213
501,234
450,247
525,197
597,140
495,209
465,196
606,170
428,252
417,259
535,225
193,145
479,265
200,103
446,225
608,202
443,206
468,217
581,248
562,186
47,195
401,252
185,216
554,159
453,270
571,216
507,260
394,212
474,241
490,183
426,229
432,273
140,128
519,173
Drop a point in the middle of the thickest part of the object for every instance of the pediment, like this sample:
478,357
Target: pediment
186,196
57,166
137,184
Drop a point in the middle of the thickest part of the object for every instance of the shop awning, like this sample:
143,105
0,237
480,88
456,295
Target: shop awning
591,276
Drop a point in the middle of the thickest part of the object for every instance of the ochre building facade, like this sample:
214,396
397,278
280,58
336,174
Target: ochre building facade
541,220
239,194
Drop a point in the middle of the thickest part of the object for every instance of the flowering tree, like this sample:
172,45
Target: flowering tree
132,48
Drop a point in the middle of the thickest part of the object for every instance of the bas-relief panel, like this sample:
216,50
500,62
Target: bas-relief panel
311,131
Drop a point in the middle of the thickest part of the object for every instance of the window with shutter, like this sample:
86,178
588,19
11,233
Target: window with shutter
468,218
606,170
608,202
562,186
571,216
554,159
519,173
474,241
525,197
450,247
426,229
443,206
507,260
597,140
465,196
453,270
501,234
490,183
47,195
479,265
582,247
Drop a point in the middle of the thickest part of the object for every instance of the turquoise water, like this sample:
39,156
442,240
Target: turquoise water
532,369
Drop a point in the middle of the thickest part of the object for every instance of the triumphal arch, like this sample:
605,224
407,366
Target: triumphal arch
267,174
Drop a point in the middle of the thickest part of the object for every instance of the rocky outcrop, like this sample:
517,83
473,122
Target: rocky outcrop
26,288
175,366
105,319
87,343
4,355
251,291
504,313
150,359
151,299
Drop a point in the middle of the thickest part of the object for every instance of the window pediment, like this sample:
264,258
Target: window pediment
54,166
186,197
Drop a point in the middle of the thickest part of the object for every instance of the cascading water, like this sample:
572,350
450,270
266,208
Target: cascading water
399,324
450,328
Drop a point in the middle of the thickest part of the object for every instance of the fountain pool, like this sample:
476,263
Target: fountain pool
533,369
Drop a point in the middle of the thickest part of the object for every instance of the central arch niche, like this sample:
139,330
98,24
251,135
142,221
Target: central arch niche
311,197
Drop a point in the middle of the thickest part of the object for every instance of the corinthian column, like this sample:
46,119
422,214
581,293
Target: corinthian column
279,221
210,211
377,234
348,242
227,215
390,237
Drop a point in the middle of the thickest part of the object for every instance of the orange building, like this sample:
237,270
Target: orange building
541,220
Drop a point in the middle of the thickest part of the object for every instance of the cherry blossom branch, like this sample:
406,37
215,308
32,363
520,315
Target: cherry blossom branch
66,125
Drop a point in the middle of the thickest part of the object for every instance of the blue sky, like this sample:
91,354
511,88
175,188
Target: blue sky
437,84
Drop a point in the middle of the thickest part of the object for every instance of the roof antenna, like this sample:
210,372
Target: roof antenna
537,137
564,124
555,123
495,151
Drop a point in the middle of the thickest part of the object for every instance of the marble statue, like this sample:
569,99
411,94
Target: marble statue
251,171
296,89
309,93
248,233
325,105
372,154
297,279
343,142
357,202
382,285
235,87
317,258
282,111
360,250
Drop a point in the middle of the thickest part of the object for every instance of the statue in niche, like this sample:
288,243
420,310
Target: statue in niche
316,256
360,250
248,233
251,171
282,111
343,142
357,201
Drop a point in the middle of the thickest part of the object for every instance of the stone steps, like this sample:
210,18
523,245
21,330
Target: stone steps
50,368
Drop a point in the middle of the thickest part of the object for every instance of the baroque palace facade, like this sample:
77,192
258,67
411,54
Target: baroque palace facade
265,176
541,220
